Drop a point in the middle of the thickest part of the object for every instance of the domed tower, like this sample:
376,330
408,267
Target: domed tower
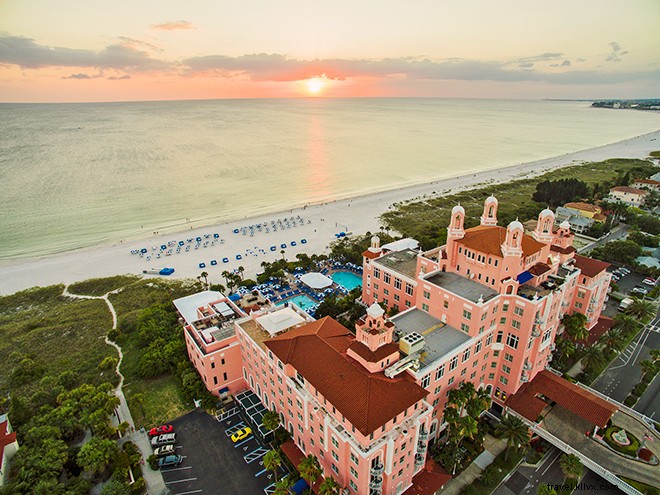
543,231
489,216
513,242
375,243
455,231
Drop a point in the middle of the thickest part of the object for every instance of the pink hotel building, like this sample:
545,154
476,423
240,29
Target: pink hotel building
485,307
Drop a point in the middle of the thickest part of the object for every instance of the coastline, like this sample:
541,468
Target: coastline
320,222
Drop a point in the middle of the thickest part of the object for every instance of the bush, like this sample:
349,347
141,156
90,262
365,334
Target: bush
639,389
631,400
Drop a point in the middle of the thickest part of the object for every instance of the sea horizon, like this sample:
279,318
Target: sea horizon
121,170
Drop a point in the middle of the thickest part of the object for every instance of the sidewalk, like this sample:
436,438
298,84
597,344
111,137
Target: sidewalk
493,447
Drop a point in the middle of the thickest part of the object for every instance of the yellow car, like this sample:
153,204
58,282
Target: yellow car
241,434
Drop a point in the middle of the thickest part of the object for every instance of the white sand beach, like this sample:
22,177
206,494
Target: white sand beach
319,225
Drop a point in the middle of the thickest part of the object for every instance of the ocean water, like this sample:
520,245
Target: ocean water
77,175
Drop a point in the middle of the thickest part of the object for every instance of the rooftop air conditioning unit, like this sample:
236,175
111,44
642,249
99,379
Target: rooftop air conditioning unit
410,343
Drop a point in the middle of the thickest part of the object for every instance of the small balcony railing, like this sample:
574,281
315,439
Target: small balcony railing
527,366
423,436
377,470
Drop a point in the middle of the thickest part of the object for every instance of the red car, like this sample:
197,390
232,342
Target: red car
161,430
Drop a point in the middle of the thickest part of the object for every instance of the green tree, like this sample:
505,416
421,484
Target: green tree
613,339
626,323
282,487
113,487
329,487
271,420
138,399
309,469
592,358
109,363
575,326
514,431
204,276
272,461
622,251
97,454
545,489
571,466
641,309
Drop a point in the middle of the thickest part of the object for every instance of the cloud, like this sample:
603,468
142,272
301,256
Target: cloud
526,65
543,57
616,52
119,78
78,76
173,25
24,52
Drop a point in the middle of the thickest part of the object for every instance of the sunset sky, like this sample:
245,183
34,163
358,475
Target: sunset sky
93,50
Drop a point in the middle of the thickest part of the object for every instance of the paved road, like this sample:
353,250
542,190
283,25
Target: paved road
526,480
592,483
624,373
614,235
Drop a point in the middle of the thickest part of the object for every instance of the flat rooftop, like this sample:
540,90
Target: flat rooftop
262,327
462,286
440,338
403,262
188,306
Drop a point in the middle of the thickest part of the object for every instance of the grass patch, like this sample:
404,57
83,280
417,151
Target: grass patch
495,473
56,333
642,487
426,218
162,401
148,292
630,450
101,286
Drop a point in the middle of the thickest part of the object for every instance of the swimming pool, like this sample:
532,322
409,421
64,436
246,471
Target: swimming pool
347,280
303,302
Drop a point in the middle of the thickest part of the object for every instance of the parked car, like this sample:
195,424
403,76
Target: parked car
624,270
160,440
161,430
170,461
616,277
649,281
241,434
164,450
639,290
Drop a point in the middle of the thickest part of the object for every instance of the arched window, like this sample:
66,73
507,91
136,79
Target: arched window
490,211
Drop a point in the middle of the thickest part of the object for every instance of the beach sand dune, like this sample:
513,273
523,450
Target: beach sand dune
320,224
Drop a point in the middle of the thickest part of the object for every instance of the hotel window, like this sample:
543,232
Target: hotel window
440,372
580,294
465,328
355,459
506,369
375,286
504,380
407,304
495,309
578,305
445,304
436,402
397,283
500,334
503,321
353,485
484,315
474,373
481,329
386,278
396,297
477,348
335,442
334,468
515,324
354,472
334,455
426,381
409,289
436,391
493,364
376,273
425,307
463,371
518,311
491,376
449,382
466,355
496,262
453,363
546,335
489,340
212,365
508,357
467,315
215,380
505,307
386,292
512,341
427,295
475,363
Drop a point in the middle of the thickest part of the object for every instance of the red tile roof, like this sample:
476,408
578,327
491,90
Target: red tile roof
6,438
566,250
489,239
598,330
583,207
370,254
589,266
368,401
647,181
373,356
588,406
629,190
539,269
429,480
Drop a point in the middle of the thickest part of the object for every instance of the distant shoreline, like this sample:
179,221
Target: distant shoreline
321,221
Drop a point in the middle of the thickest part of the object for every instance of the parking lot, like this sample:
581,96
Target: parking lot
628,282
212,464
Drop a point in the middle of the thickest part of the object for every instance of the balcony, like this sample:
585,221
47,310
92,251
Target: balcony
377,470
527,366
524,378
536,333
376,483
421,447
423,435
419,461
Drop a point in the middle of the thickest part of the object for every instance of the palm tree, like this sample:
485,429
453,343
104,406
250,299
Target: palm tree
282,487
241,270
626,323
467,427
329,487
545,489
575,326
282,253
613,339
514,430
309,469
592,358
648,367
205,276
641,309
271,420
571,466
272,461
479,403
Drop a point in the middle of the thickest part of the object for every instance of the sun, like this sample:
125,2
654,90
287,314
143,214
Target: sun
315,85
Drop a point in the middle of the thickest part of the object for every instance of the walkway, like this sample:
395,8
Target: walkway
153,479
492,448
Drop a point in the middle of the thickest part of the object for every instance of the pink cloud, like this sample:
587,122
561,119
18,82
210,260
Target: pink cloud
173,25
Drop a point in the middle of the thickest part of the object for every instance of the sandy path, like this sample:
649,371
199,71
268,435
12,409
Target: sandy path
321,222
